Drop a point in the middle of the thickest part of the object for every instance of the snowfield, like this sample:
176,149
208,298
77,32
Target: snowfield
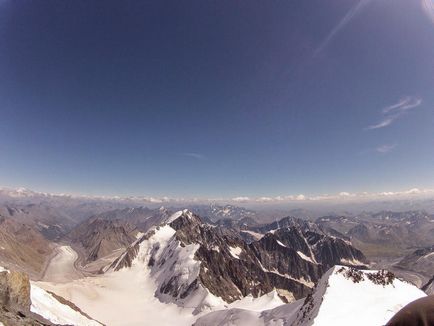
130,296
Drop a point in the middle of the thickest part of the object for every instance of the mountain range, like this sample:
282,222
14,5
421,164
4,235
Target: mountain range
207,264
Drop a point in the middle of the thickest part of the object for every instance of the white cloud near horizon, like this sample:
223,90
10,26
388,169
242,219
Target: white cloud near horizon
140,200
393,112
342,23
241,199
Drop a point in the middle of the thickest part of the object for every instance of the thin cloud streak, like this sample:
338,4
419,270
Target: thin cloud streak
196,156
395,111
342,23
381,124
384,149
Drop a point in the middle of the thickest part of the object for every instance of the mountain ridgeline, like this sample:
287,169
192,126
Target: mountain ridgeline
290,259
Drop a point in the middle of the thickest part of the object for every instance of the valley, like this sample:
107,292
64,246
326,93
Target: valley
62,266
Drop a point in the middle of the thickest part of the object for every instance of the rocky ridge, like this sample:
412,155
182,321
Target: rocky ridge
289,260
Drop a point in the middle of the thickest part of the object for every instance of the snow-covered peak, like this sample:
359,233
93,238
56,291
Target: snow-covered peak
346,296
185,212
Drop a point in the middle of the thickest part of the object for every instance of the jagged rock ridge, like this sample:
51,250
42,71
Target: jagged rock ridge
222,263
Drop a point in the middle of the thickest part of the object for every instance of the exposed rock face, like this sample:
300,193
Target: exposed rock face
290,260
22,246
420,261
100,237
49,221
142,218
15,300
428,288
232,269
321,244
102,234
15,291
386,234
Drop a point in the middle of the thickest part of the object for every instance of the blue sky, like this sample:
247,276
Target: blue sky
217,98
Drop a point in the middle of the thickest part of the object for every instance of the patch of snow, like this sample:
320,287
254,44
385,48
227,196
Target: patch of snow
235,252
303,256
353,262
267,301
280,243
174,216
302,280
257,236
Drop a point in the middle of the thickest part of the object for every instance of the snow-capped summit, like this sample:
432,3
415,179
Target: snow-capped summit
182,213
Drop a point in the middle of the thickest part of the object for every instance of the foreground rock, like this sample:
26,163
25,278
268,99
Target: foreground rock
15,300
22,303
419,312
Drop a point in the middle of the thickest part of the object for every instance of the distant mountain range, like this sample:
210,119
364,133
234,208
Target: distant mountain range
214,262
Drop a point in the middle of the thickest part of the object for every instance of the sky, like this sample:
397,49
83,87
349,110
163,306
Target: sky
217,98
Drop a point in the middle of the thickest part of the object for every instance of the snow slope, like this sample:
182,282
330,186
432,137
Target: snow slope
47,306
242,316
338,300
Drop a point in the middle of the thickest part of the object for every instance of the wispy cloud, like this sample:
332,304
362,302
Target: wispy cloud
383,149
196,156
428,7
405,104
392,112
342,23
384,123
